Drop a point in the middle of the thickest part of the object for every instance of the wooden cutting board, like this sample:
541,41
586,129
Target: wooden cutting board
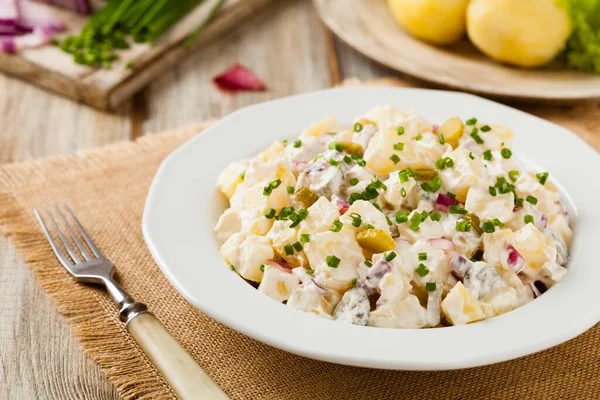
367,26
55,70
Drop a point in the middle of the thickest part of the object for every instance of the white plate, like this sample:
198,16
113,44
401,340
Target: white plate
182,208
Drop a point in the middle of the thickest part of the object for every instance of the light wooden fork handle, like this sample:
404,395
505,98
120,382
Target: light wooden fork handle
178,368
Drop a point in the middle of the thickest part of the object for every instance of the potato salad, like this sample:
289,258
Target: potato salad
394,222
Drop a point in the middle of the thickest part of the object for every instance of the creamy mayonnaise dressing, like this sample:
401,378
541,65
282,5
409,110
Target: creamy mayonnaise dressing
394,222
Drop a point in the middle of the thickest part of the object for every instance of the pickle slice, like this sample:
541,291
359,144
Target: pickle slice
475,222
452,130
375,241
306,196
425,174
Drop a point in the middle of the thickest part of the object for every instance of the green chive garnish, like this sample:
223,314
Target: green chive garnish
531,199
358,127
399,146
270,213
476,136
356,220
435,216
487,155
368,263
486,128
347,159
305,238
337,226
310,271
402,216
390,256
419,137
506,153
332,261
422,256
513,174
400,130
471,121
353,282
471,155
333,163
430,286
492,190
243,175
298,143
463,226
542,177
403,176
291,189
441,139
422,270
488,227
336,146
528,219
353,181
395,159
297,246
403,192
288,249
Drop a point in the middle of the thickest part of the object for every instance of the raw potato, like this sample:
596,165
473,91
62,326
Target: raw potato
527,33
437,21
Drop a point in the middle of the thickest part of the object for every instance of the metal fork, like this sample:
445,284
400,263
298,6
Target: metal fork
88,264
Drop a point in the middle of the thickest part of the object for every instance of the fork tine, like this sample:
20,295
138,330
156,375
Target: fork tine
62,238
83,233
78,243
61,257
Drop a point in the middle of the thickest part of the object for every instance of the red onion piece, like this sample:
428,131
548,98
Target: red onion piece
460,265
239,78
435,128
33,15
13,44
510,259
442,244
342,206
9,13
542,223
279,265
443,202
81,6
309,281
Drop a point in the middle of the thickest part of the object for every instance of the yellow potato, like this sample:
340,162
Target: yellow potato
527,33
437,21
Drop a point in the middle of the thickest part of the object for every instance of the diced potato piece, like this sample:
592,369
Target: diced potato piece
228,224
253,205
375,241
535,247
278,284
282,235
452,130
231,177
500,302
494,243
467,173
326,125
460,307
401,313
321,216
306,298
306,196
247,252
483,204
368,214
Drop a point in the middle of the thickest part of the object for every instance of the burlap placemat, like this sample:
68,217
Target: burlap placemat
108,187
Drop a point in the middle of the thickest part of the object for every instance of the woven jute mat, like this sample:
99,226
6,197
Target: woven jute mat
107,189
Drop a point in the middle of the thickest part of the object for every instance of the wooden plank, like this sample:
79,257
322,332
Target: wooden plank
284,45
55,70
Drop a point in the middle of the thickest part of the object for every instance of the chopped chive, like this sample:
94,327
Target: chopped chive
347,159
418,137
476,136
298,143
488,227
400,131
305,238
513,175
361,162
231,267
487,155
285,212
353,181
332,261
439,164
422,270
310,271
333,163
262,268
332,133
448,162
390,256
395,159
506,153
243,175
531,199
368,263
353,282
528,219
451,195
358,127
369,226
422,256
336,146
432,186
297,246
435,216
291,189
388,220
519,202
454,209
542,177
441,139
471,121
497,222
288,249
415,221
485,128
430,286
354,197
270,213
337,226
492,190
463,226
356,220
399,146
401,216
403,176
471,155
403,192
303,213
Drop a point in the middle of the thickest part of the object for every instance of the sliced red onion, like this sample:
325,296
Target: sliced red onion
460,265
308,280
9,13
442,244
300,165
342,206
443,202
435,128
279,265
563,209
510,259
33,15
542,223
13,44
371,276
81,6
239,78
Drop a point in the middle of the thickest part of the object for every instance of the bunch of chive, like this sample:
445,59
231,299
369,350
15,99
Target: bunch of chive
108,29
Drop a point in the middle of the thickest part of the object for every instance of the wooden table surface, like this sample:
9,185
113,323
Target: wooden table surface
285,44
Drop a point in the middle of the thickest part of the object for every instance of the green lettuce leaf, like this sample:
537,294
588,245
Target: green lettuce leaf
583,47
